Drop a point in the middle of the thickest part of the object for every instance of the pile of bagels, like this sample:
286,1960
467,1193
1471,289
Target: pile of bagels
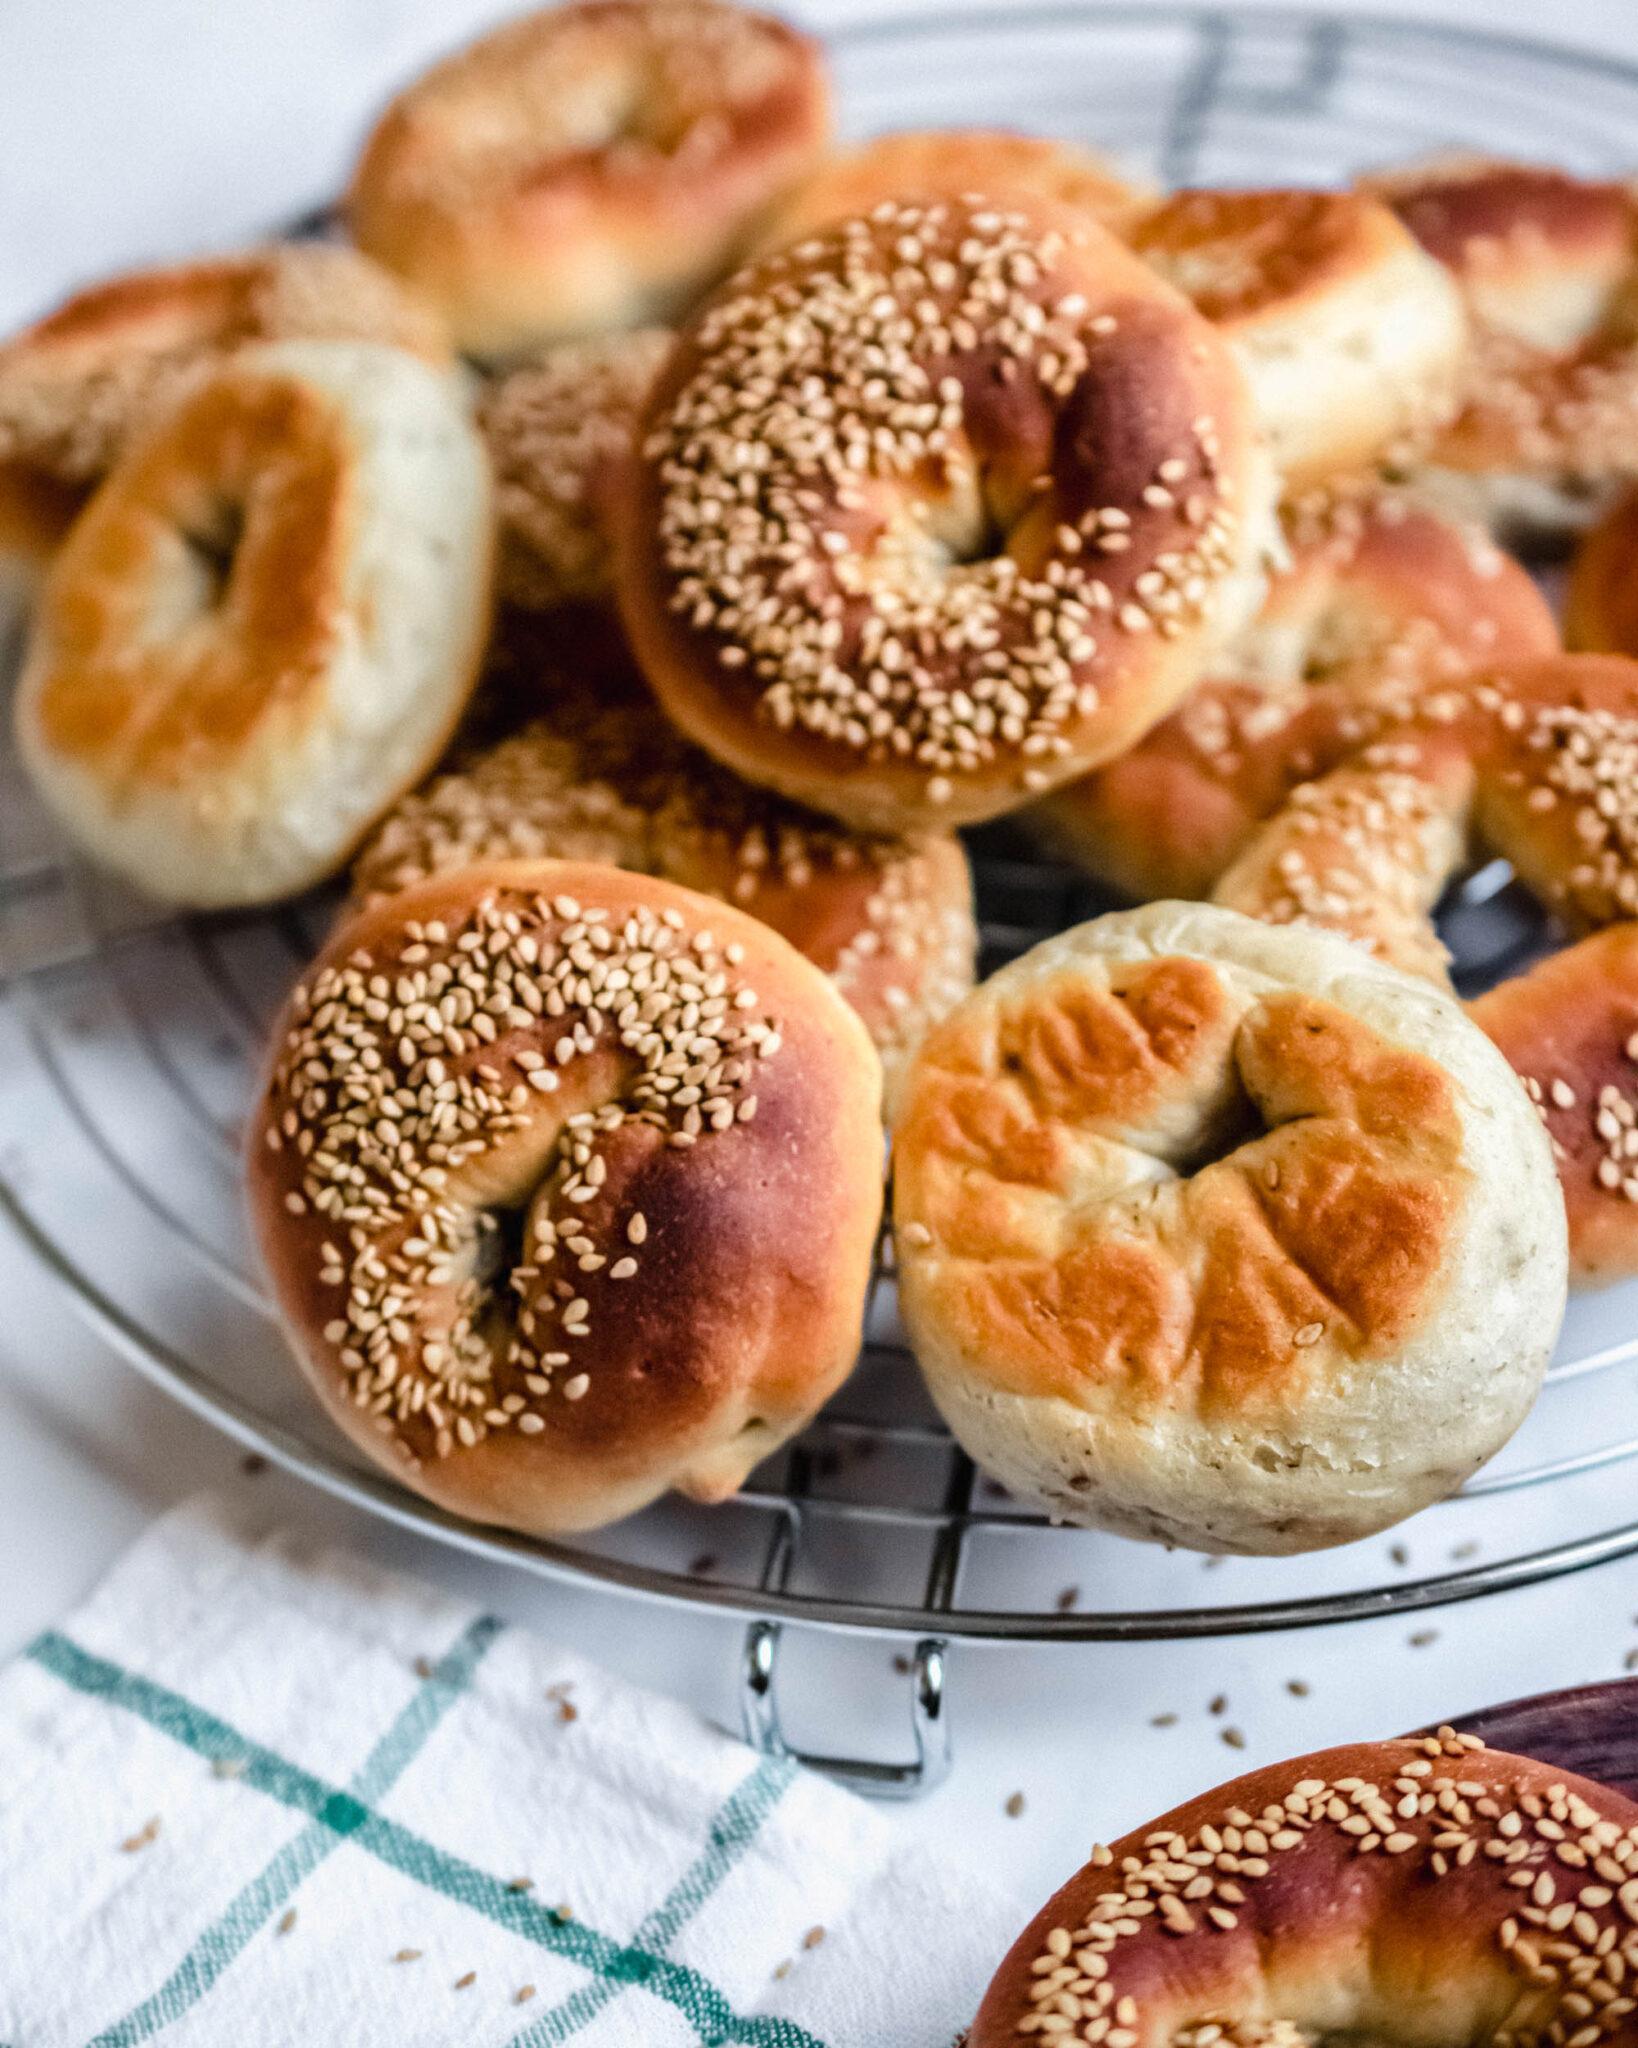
635,546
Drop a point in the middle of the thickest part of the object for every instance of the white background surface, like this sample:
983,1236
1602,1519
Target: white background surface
139,128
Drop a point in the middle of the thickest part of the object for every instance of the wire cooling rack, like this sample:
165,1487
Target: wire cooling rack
130,1040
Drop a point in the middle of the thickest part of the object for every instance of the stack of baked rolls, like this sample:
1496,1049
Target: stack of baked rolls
1426,1889
636,547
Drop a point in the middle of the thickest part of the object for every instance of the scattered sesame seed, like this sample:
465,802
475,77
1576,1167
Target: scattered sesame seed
1014,1806
143,1836
1234,1738
287,1921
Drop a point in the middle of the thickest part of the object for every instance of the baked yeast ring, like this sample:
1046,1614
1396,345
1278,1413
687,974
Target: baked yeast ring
1548,267
1425,1890
922,162
889,920
567,1181
589,166
78,384
265,624
1383,603
1224,1236
937,509
556,427
1352,337
1601,604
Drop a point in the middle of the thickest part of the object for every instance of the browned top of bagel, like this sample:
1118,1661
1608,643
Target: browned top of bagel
1382,601
567,1179
1004,480
74,386
1486,217
1425,1889
1237,254
1569,1028
589,166
1601,604
925,161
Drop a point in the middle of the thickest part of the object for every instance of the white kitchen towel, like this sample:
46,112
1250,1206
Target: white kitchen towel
253,1795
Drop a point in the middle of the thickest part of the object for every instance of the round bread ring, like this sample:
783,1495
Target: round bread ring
1537,762
545,1257
1416,1890
991,530
889,921
1206,1240
264,626
77,385
589,166
1353,339
1548,267
555,427
995,161
1601,604
1383,601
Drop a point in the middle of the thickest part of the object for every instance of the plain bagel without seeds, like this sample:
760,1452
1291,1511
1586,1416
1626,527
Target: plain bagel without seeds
1426,1891
567,1181
589,166
264,626
1223,1235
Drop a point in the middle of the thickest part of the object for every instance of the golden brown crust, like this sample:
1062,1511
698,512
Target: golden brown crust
254,473
888,920
588,166
582,1313
1548,266
1569,1027
951,582
265,624
1601,604
1199,1223
556,426
1425,1888
36,511
78,384
1383,603
946,162
1351,336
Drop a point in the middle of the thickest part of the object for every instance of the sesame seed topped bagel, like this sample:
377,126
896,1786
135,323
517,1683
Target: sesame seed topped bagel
589,166
923,161
265,624
1426,1890
1353,338
567,1181
889,920
78,384
1221,1235
938,508
556,426
1382,602
1547,265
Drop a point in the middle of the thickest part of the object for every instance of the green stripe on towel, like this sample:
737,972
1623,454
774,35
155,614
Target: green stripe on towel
227,1937
348,1817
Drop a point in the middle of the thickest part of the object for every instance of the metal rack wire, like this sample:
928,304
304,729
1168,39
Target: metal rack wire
130,1040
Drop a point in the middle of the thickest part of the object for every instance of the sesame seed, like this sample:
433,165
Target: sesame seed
1014,1806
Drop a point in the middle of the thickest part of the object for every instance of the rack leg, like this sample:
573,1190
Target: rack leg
929,1723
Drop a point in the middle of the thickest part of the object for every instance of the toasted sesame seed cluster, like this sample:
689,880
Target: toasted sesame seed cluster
935,509
461,1173
554,426
888,919
1423,1889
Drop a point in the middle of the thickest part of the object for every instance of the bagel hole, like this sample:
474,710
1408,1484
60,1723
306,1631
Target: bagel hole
498,1248
213,544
